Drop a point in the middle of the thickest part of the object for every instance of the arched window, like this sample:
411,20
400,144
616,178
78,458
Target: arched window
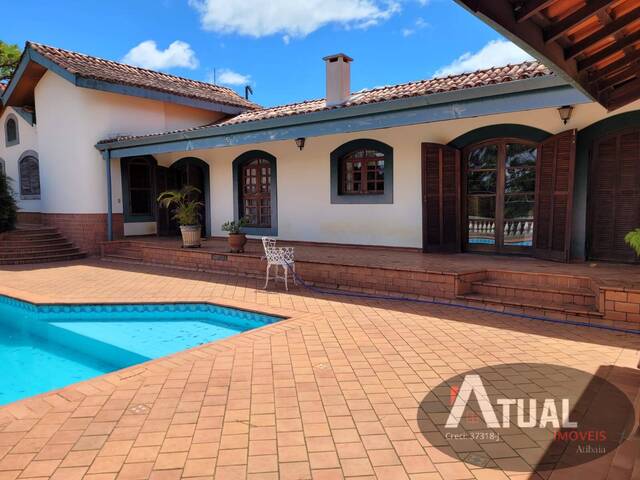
362,172
29,170
255,186
11,131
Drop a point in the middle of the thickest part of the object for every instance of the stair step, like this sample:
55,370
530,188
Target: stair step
42,259
542,280
40,253
38,247
118,257
15,242
571,309
546,289
31,236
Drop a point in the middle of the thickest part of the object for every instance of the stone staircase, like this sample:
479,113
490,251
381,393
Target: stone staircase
555,296
36,244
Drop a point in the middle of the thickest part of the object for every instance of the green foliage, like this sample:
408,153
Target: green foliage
187,207
8,207
9,58
234,226
633,240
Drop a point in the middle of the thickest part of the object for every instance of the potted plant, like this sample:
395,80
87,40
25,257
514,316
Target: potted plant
633,240
186,213
236,239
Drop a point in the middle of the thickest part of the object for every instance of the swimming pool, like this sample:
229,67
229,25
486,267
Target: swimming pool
46,347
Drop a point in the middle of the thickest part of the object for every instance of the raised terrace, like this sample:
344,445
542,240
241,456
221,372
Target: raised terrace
603,293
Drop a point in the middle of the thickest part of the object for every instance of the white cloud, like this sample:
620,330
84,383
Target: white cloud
290,18
494,54
419,24
147,55
226,76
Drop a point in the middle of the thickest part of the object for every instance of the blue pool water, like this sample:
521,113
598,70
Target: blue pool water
47,347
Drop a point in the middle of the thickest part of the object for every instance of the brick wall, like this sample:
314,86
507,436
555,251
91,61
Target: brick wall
366,279
30,217
86,230
621,304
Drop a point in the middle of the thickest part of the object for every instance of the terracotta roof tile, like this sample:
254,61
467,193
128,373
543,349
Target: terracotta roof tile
479,78
113,72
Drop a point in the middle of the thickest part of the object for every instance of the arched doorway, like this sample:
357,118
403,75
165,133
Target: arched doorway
186,171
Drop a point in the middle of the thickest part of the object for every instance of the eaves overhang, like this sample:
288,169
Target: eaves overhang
519,95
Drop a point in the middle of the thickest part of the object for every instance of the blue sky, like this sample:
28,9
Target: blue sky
275,45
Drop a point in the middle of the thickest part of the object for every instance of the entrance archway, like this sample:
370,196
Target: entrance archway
186,171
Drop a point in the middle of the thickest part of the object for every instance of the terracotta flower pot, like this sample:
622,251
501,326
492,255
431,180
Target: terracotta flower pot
237,242
190,236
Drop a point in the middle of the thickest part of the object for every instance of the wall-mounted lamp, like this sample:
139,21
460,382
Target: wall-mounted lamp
300,142
565,113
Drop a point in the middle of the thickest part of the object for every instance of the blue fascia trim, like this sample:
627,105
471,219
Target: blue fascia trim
79,81
313,125
26,116
156,95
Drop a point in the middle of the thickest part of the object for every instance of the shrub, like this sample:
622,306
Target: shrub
8,207
633,240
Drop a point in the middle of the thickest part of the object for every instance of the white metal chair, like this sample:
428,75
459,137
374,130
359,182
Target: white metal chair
280,257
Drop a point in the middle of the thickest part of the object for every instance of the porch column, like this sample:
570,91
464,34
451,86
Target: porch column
107,158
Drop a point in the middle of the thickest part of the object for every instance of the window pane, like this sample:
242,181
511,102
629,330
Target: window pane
520,180
518,220
482,221
484,157
140,202
519,155
481,182
139,175
29,176
12,130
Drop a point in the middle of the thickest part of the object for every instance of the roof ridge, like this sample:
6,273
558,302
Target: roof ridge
451,76
155,72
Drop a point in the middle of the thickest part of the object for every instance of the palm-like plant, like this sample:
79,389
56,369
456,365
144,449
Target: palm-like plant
186,208
633,240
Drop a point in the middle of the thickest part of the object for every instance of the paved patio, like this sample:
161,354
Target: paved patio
331,392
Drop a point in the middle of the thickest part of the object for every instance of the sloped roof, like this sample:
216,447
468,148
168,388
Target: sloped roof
480,78
94,68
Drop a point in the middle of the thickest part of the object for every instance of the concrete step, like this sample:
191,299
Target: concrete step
541,294
42,259
546,309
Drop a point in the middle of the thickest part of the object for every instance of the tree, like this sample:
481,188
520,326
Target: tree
8,208
9,58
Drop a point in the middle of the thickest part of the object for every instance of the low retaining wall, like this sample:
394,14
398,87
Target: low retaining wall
86,230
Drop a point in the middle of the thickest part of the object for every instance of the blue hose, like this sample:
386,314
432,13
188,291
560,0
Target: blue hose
324,291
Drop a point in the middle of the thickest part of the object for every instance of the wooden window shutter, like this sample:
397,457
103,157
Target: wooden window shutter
440,198
554,196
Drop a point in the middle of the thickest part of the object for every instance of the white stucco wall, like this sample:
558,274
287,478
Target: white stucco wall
305,211
28,140
70,122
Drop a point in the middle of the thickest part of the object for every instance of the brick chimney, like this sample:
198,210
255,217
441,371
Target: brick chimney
338,78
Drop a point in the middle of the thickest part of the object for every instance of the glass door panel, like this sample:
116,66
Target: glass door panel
482,182
500,189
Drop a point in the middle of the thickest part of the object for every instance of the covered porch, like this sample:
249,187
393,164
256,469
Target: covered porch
593,292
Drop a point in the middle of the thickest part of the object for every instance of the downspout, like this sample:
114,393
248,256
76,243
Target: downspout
107,157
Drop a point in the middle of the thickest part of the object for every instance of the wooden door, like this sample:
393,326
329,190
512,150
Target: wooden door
614,195
440,198
554,196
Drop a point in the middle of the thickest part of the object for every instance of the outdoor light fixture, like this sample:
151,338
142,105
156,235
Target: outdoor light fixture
300,142
565,113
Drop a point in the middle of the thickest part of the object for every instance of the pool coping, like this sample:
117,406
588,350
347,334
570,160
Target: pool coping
69,393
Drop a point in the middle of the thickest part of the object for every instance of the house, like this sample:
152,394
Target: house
516,159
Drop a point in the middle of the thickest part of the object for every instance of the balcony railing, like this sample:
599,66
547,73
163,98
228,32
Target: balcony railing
517,231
